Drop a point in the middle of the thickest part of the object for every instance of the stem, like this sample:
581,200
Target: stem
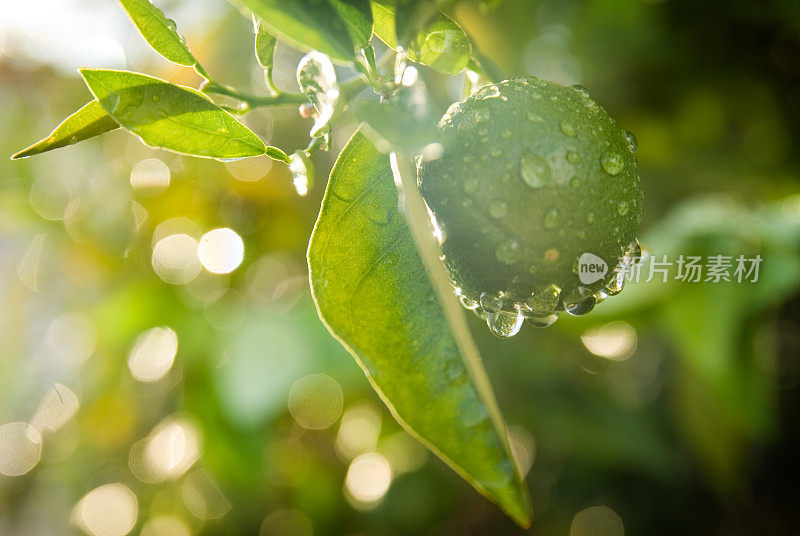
416,213
255,101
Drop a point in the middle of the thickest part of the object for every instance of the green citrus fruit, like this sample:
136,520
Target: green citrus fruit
532,176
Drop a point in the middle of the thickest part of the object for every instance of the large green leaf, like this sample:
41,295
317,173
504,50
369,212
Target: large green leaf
159,31
89,121
442,44
334,27
372,291
171,117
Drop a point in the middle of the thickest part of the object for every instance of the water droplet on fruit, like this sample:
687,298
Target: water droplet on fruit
568,129
631,139
622,208
612,163
581,307
615,283
535,118
509,250
504,324
632,254
498,209
542,321
543,302
468,303
551,218
535,170
491,302
573,157
471,185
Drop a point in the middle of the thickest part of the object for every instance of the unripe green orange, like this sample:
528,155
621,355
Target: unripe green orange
532,175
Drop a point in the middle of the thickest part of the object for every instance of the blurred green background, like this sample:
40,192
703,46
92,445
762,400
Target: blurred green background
140,391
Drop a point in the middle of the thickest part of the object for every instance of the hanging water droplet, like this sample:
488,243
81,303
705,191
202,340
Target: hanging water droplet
632,254
581,307
471,185
551,218
573,157
498,209
622,208
535,118
468,303
504,324
509,250
490,302
317,80
542,321
631,139
535,170
568,129
544,301
615,283
612,163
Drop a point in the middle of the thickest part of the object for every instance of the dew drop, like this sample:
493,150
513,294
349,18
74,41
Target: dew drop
506,134
545,301
498,209
551,255
471,185
467,159
154,98
575,182
582,307
468,303
542,321
504,324
573,157
535,118
590,217
535,170
615,283
632,254
631,139
508,251
622,208
497,153
612,163
568,129
491,303
551,218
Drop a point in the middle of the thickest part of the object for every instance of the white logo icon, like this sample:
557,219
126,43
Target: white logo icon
591,268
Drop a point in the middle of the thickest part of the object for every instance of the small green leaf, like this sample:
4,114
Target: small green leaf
357,15
373,293
89,121
307,24
159,31
442,44
264,45
171,117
